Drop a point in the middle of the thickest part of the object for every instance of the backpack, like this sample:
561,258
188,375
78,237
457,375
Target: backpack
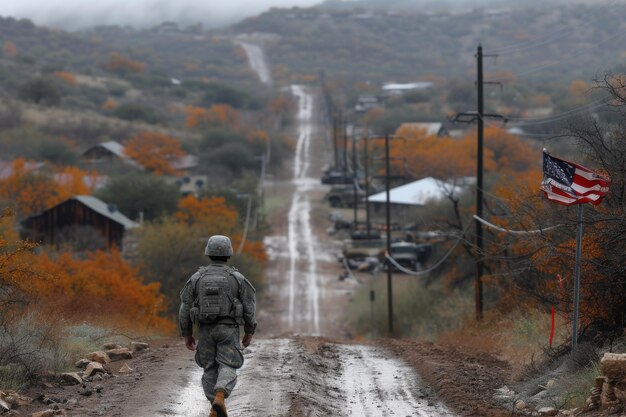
214,300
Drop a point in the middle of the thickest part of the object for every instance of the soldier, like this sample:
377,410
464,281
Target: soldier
219,299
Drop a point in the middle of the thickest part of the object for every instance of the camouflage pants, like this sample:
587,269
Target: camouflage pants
219,354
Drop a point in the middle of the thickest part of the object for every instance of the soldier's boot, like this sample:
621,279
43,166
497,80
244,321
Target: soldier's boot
218,404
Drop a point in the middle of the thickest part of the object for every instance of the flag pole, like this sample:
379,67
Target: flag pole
579,238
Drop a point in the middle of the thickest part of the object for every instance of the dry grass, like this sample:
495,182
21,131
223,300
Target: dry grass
519,337
33,345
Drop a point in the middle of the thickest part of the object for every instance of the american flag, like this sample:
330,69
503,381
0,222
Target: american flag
568,183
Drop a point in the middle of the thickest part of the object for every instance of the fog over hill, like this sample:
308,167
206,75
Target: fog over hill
78,14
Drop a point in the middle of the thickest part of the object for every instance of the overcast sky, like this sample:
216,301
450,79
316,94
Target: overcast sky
73,14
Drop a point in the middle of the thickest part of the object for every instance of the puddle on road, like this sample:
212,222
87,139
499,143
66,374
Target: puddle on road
374,383
191,401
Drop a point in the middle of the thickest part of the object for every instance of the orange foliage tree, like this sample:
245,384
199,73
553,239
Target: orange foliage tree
74,181
447,158
122,64
109,105
541,265
212,215
68,77
30,192
216,114
27,191
103,287
157,152
15,268
9,49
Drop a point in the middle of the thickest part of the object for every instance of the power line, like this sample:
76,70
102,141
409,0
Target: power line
544,40
580,51
523,46
515,232
530,121
436,265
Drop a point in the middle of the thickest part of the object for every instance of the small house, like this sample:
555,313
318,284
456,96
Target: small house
85,218
108,151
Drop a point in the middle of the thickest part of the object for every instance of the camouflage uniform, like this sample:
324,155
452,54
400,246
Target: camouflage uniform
219,350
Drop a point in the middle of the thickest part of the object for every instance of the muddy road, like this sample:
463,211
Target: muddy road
295,365
304,296
301,362
292,368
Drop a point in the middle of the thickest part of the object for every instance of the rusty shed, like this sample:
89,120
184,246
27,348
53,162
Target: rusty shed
82,211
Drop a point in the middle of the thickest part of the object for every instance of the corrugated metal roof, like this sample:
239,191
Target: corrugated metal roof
431,129
101,207
407,86
114,147
418,193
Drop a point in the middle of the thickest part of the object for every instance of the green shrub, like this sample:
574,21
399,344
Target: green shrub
40,91
57,151
235,157
137,112
137,193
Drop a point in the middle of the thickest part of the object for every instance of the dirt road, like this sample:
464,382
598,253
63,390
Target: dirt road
300,363
256,59
290,370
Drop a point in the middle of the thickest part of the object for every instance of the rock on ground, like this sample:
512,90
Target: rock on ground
547,411
99,356
613,366
93,368
119,354
138,346
71,378
82,364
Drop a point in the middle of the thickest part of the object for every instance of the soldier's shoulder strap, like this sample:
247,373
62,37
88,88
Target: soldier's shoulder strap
191,283
240,278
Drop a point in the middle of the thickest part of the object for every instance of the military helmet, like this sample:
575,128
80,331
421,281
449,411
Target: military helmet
218,245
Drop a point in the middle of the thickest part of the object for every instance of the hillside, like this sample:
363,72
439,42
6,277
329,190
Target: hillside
150,68
539,44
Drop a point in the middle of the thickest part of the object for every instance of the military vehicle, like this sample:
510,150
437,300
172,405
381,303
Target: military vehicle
410,255
343,196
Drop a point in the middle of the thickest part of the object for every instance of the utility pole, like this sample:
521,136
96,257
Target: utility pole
388,221
355,179
345,149
388,177
367,192
335,147
478,281
479,116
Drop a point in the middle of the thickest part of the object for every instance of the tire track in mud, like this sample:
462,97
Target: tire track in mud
261,388
309,376
304,294
374,383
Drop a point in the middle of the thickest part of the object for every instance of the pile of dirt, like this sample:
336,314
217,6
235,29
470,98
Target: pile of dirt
464,380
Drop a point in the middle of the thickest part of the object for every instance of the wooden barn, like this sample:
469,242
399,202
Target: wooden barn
82,220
